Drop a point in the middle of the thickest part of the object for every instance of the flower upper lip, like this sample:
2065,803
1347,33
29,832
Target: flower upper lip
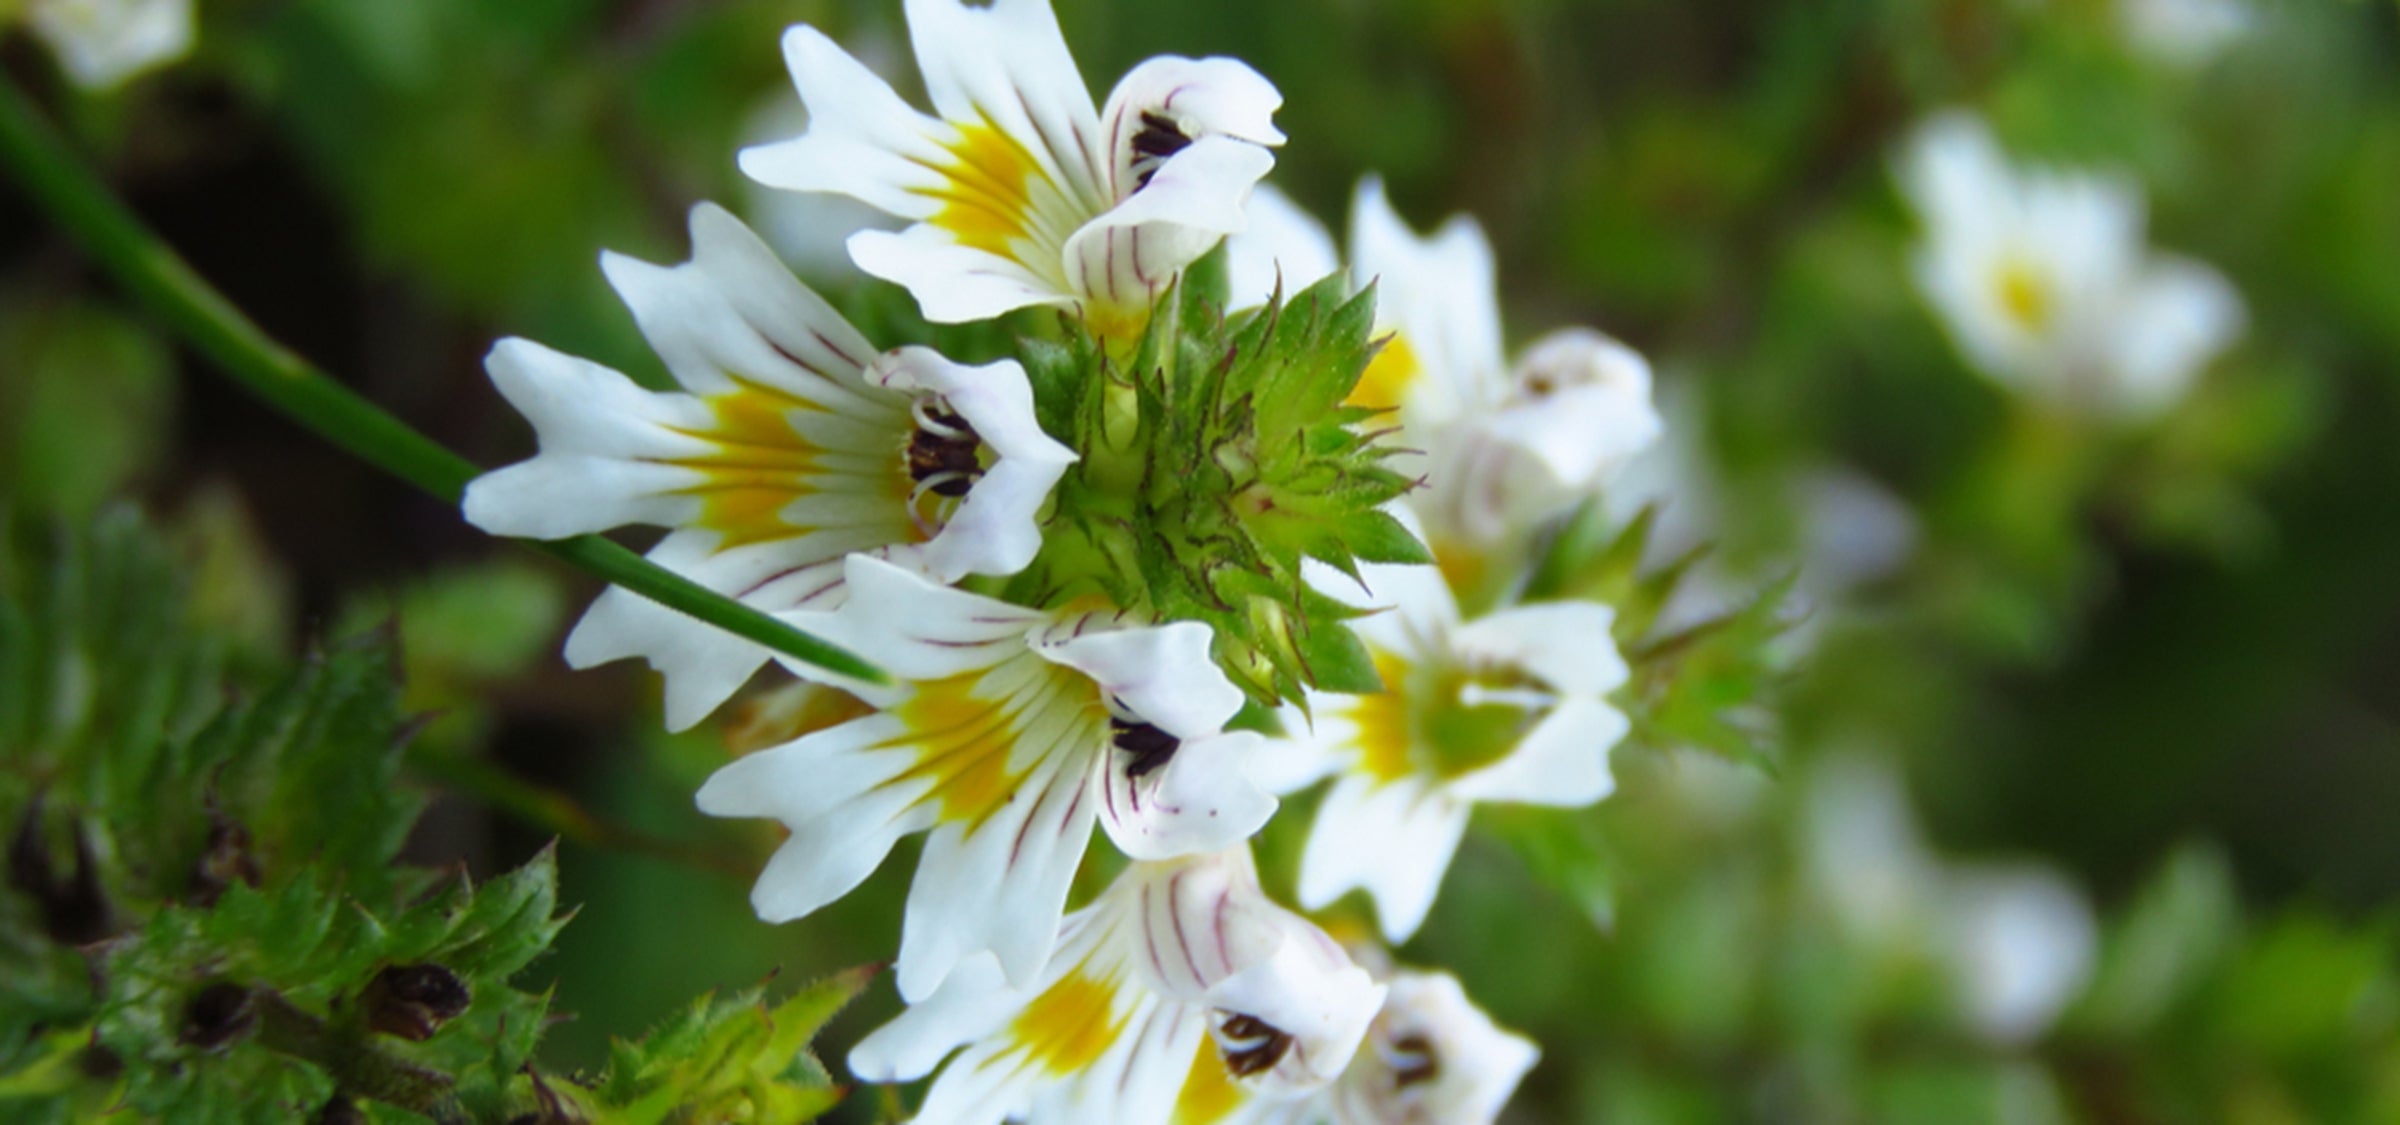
1020,190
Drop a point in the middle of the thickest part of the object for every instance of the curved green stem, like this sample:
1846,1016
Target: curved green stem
163,282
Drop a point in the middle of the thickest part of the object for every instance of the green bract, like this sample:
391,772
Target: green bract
1216,458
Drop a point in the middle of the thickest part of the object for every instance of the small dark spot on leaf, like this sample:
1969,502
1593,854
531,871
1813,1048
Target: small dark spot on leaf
219,1014
414,1001
99,1064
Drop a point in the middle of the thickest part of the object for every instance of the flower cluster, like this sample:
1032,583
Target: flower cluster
1168,561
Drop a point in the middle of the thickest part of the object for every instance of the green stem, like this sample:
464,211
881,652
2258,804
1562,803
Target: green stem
162,281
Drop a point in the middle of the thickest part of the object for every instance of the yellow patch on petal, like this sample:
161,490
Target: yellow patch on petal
760,466
962,743
1385,382
1383,723
2025,295
988,199
1069,1026
1209,1092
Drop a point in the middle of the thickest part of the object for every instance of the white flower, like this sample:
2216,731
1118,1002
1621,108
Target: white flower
1511,706
1012,730
2021,944
791,445
2044,282
1021,193
101,43
2185,33
1509,443
1179,970
2017,942
1431,1057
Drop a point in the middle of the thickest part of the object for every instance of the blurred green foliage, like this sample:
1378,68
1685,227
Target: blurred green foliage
245,947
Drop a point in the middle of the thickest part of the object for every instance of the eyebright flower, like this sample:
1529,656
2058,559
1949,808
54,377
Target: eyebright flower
792,444
1508,443
101,43
2044,283
2018,942
1180,979
1020,192
1431,1057
1012,730
1511,706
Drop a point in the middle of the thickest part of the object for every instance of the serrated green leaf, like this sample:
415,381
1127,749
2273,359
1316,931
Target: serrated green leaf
731,1059
1377,537
1338,661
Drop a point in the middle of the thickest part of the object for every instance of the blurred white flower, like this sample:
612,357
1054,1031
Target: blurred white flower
101,43
2185,33
2044,282
1010,732
1179,993
1511,706
2017,941
2022,942
792,444
1508,444
1020,192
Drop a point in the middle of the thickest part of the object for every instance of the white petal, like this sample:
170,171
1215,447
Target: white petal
2175,318
835,790
101,43
1485,490
1955,174
2186,33
1596,417
953,284
918,629
1124,257
1201,800
1161,673
1007,63
1313,745
1862,849
1393,839
1279,245
1137,1079
994,530
1441,294
999,885
862,141
1562,761
601,438
973,1002
1211,95
2023,942
1566,645
1310,991
704,665
735,312
1198,98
